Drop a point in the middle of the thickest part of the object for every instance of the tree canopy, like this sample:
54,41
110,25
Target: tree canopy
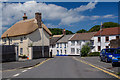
81,31
58,31
105,25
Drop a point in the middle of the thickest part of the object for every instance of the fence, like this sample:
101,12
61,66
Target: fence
7,53
37,52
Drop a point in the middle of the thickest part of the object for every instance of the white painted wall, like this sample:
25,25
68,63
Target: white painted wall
34,38
76,46
103,41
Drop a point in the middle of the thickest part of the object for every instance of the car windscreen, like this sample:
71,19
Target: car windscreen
117,51
110,50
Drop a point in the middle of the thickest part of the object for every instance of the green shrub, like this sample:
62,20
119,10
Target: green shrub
94,54
85,50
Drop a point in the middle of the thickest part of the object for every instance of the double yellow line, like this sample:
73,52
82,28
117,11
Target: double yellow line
29,67
98,68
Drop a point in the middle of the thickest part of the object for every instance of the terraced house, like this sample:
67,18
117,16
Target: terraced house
77,41
102,38
27,32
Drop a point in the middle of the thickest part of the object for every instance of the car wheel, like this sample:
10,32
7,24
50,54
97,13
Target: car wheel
101,59
106,60
113,64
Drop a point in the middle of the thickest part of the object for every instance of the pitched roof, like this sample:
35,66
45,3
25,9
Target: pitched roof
57,35
65,38
109,31
83,36
23,27
53,40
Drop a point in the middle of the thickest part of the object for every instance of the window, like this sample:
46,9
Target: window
21,51
78,43
72,50
117,37
4,40
72,43
57,45
99,39
11,41
21,39
107,38
61,51
65,45
107,46
99,48
78,51
61,45
65,51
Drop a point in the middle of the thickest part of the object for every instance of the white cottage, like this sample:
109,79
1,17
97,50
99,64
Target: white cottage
107,34
76,42
62,45
27,32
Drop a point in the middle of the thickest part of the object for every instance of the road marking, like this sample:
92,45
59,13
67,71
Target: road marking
27,68
42,62
16,75
98,68
24,70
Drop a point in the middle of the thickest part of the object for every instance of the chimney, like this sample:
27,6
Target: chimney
64,32
24,17
38,17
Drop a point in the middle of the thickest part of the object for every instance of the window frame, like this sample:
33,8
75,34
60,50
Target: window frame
99,39
106,38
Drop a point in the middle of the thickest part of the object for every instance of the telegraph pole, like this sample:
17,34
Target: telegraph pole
100,36
42,41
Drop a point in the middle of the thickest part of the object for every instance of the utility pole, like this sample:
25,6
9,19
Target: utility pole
100,36
42,41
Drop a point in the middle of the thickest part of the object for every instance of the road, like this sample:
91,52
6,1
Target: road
60,67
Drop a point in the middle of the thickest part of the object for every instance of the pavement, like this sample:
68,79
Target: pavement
61,67
96,61
20,64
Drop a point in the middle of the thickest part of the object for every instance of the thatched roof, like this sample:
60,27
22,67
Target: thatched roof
24,27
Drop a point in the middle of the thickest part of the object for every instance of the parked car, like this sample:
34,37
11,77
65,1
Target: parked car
106,54
116,58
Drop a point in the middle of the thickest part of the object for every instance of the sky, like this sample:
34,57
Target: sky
72,16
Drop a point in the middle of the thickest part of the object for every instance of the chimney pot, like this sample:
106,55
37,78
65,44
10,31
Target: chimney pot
24,17
64,32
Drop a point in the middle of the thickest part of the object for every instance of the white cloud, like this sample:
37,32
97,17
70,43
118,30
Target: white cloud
109,16
14,12
4,0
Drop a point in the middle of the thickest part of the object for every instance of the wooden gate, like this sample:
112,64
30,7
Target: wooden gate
8,53
37,52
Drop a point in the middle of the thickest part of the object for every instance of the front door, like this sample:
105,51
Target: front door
57,52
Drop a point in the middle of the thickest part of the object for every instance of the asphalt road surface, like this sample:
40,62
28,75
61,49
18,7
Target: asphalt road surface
60,67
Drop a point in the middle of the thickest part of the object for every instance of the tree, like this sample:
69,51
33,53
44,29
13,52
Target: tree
94,28
110,24
105,25
81,31
85,49
58,31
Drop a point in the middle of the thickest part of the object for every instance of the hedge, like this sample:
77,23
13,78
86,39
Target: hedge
94,54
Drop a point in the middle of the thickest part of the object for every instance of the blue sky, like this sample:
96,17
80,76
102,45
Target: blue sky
72,16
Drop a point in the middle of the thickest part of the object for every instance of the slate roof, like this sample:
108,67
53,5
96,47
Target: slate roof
109,31
64,39
83,36
24,27
53,40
